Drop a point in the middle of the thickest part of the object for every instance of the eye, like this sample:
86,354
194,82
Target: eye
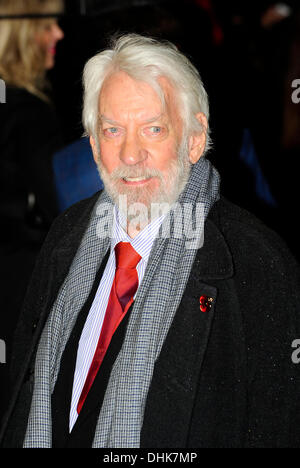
154,131
111,132
48,25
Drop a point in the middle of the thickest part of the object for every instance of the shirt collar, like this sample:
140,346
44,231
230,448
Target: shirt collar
143,242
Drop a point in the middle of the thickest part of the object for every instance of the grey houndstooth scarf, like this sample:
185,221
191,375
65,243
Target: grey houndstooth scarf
121,416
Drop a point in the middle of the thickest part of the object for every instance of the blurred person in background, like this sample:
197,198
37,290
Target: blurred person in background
29,135
255,69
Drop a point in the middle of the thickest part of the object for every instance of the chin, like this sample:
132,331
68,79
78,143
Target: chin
144,195
163,190
50,62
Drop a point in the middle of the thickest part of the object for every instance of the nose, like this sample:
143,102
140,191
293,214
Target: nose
57,32
132,152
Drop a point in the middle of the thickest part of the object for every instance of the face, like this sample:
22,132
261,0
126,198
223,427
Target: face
140,148
47,37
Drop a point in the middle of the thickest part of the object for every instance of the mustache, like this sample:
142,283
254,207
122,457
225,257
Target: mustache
124,172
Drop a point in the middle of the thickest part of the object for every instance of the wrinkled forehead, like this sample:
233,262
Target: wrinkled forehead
121,93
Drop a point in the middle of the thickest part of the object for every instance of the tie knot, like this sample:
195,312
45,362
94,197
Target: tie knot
126,256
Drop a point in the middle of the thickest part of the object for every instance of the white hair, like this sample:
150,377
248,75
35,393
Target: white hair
146,59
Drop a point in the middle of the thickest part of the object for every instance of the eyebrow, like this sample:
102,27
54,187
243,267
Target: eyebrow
114,122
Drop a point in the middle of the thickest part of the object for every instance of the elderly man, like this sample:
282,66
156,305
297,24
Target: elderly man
159,314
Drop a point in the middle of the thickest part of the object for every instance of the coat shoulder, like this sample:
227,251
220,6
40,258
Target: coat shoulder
265,296
266,274
249,238
75,216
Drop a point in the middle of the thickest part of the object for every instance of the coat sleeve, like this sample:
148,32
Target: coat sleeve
26,336
268,285
43,287
37,290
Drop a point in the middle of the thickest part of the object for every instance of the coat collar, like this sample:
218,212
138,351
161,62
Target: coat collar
213,260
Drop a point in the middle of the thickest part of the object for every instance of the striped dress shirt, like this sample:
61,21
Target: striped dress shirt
142,243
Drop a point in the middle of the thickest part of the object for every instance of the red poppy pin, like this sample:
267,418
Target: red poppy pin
205,303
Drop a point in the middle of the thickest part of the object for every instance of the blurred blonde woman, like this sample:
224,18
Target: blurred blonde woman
29,135
28,38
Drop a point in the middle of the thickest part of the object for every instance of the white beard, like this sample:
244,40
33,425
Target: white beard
168,192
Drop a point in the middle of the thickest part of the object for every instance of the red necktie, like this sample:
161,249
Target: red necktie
121,297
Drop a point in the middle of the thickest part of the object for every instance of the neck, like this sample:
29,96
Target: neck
135,221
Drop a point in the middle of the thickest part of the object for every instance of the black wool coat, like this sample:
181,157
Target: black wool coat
225,377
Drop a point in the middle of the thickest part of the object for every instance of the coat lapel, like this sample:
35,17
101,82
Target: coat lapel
172,392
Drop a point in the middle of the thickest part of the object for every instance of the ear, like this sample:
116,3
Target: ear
94,149
197,142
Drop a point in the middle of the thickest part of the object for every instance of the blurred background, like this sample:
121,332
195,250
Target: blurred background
248,55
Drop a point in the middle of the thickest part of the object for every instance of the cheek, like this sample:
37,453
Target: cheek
41,39
159,155
109,154
164,156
